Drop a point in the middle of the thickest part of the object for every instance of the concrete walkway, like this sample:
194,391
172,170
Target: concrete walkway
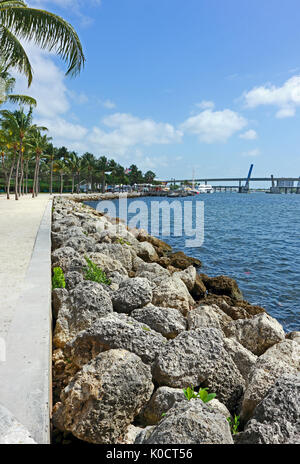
19,223
25,320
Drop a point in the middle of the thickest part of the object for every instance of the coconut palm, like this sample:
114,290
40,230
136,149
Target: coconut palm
74,164
104,165
19,125
38,144
89,164
61,167
45,29
7,84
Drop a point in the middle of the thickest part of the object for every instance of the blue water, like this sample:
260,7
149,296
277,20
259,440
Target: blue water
256,240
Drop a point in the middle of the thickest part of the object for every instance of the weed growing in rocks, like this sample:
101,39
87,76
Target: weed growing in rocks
58,279
202,394
95,274
234,424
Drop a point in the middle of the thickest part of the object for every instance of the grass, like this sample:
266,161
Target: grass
58,279
95,274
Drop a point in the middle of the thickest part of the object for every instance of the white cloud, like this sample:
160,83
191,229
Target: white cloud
48,85
129,131
205,105
214,126
76,7
249,135
286,97
251,153
108,104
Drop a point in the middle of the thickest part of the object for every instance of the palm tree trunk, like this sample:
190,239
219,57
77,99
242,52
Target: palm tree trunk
51,177
21,185
103,182
78,180
37,184
10,175
34,177
17,176
73,183
26,181
61,183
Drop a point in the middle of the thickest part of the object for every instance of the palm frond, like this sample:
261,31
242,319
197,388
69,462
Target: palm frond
22,99
48,31
12,52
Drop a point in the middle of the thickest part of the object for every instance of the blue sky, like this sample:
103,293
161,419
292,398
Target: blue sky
173,85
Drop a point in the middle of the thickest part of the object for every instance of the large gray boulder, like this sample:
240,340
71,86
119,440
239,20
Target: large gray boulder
173,293
256,334
162,400
167,321
188,359
151,271
282,358
243,358
276,419
103,398
132,294
116,331
62,257
188,277
107,263
207,316
190,422
117,252
85,304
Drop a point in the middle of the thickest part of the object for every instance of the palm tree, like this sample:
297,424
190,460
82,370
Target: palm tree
51,154
45,29
89,164
7,84
104,165
61,167
38,143
73,162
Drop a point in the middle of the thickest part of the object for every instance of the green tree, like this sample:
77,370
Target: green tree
18,124
45,29
149,177
38,143
135,176
7,84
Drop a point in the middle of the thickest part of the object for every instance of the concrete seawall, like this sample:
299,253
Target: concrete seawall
25,375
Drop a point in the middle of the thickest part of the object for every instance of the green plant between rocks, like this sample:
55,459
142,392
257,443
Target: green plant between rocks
202,394
123,242
234,424
58,279
95,274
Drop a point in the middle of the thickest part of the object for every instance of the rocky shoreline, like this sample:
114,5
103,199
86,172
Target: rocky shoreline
126,346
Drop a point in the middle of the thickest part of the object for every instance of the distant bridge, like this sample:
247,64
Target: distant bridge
278,184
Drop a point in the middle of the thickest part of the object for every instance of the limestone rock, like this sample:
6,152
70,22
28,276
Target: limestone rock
189,359
207,316
59,297
293,336
152,271
163,399
167,321
117,252
181,261
199,290
147,252
256,334
85,305
243,358
223,285
106,263
102,400
282,358
173,293
191,422
188,277
276,419
132,294
116,331
72,279
219,407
